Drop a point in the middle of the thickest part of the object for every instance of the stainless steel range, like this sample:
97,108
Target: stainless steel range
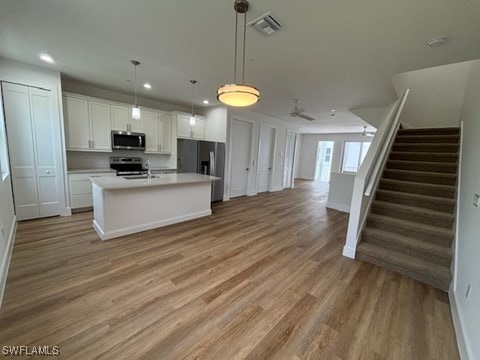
128,166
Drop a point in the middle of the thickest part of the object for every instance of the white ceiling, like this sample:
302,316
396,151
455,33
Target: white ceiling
332,54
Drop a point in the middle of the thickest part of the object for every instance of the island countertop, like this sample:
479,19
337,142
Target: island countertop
119,182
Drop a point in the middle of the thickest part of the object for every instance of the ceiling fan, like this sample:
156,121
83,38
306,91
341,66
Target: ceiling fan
365,133
296,112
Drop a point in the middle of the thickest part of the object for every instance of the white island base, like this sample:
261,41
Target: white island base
123,207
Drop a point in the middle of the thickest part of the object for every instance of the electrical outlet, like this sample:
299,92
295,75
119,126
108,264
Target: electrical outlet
469,290
476,200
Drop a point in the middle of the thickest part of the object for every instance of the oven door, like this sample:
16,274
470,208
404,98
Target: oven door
130,141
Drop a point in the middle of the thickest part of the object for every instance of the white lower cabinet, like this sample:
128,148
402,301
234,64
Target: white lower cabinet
81,189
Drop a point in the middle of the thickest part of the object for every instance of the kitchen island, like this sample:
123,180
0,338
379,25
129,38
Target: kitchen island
125,206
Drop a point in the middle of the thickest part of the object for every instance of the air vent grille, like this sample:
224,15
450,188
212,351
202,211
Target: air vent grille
266,24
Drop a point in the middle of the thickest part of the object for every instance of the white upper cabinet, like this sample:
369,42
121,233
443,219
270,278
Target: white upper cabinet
77,126
158,131
90,121
87,124
122,119
185,130
100,125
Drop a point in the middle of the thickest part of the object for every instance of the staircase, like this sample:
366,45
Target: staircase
410,227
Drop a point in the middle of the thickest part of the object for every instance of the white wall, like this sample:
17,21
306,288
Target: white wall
372,115
436,95
216,126
257,120
308,152
467,256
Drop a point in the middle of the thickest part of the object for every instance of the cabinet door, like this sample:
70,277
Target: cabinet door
119,117
100,120
199,129
77,128
151,131
136,125
165,133
183,126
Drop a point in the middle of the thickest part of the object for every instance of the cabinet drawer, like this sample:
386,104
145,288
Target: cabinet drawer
78,187
80,201
87,176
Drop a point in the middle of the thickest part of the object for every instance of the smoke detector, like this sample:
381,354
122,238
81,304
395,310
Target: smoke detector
266,24
436,41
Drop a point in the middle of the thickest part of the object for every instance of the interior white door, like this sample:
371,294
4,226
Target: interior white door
289,159
22,153
45,146
241,144
32,135
265,161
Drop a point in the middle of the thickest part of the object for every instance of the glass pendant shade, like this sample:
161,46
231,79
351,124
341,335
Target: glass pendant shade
238,95
192,120
135,112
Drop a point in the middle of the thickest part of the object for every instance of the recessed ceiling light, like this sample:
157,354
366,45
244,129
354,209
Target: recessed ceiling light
332,110
147,86
205,102
436,41
47,58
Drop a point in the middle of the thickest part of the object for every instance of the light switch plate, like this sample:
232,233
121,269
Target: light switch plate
476,200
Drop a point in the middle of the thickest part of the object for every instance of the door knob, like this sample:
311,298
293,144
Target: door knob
48,171
269,168
247,169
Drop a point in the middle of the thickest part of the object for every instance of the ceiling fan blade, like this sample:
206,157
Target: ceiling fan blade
306,117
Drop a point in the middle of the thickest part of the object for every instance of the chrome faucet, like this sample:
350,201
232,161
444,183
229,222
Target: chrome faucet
149,169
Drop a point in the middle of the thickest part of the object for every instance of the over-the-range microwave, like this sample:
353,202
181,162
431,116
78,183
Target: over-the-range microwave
128,140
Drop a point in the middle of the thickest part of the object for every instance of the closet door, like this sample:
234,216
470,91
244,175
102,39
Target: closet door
32,148
21,150
44,140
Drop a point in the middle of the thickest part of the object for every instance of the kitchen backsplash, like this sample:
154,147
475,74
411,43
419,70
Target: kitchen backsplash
97,160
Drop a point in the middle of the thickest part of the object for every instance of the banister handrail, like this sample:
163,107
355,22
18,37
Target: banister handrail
385,149
368,175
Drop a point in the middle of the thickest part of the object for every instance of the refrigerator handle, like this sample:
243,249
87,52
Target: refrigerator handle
212,163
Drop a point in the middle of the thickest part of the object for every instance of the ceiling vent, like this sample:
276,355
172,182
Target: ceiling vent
266,24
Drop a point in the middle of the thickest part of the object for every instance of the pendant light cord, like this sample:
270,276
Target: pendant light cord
244,42
193,97
135,80
236,42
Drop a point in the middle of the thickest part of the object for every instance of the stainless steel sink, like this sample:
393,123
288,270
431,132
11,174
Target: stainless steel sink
136,177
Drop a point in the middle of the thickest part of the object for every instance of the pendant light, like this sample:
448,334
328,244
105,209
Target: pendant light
135,109
235,94
192,116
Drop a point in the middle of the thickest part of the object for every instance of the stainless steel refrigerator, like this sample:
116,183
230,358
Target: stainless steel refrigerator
203,157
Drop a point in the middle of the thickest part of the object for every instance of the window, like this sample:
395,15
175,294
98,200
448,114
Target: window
353,154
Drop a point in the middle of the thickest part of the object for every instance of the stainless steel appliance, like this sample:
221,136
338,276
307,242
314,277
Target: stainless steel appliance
204,157
128,166
128,140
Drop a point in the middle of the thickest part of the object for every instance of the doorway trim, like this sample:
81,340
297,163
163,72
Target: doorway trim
274,149
293,159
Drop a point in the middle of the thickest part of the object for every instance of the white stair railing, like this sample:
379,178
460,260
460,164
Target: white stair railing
369,173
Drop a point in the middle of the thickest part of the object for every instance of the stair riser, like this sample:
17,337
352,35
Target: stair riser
439,131
447,158
387,243
427,139
435,238
418,189
439,179
404,199
449,149
412,166
440,284
405,215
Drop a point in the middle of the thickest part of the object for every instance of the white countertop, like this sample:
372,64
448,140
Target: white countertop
108,170
119,182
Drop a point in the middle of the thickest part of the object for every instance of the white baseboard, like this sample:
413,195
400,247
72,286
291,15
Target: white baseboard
276,188
339,207
349,252
6,258
68,212
135,229
462,342
302,177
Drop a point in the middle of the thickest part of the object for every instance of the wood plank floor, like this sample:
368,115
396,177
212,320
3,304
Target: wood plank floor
263,277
